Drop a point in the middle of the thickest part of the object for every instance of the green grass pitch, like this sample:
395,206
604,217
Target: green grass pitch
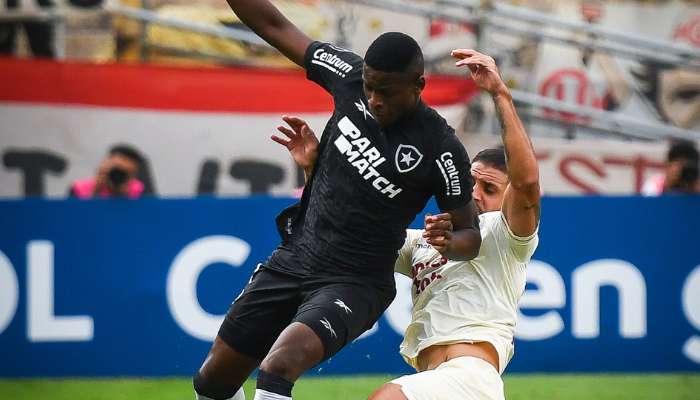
518,387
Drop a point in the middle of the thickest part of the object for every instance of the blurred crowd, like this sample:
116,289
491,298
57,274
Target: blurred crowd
663,94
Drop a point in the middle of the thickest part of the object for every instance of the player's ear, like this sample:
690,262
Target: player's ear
420,84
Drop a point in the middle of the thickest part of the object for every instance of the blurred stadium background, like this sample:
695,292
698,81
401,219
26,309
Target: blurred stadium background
114,289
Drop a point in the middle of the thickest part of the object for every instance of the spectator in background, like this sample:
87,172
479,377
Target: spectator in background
116,176
681,175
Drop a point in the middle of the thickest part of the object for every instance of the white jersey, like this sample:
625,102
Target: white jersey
466,301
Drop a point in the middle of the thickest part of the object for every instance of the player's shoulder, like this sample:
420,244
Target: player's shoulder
434,127
491,222
495,224
427,116
490,216
427,131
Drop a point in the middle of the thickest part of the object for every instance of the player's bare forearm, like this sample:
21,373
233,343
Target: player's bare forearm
523,172
464,246
455,234
522,166
521,200
263,18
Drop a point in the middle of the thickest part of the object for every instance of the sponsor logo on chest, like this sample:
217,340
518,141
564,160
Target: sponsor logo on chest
421,283
365,157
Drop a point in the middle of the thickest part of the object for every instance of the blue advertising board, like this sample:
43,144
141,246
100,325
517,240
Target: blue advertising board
138,288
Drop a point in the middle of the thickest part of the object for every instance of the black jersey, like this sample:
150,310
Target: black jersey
370,183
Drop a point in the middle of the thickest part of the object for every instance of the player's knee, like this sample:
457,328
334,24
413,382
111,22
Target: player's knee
206,390
297,350
284,364
330,332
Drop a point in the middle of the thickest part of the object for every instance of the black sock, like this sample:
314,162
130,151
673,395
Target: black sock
274,384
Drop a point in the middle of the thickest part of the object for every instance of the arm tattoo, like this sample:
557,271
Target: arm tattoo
537,208
502,124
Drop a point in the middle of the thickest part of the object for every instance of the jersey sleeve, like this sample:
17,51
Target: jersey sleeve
331,66
452,174
522,247
404,263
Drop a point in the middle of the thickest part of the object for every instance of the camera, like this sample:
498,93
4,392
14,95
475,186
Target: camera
690,172
117,176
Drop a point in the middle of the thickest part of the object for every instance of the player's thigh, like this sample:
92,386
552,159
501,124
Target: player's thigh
340,312
296,351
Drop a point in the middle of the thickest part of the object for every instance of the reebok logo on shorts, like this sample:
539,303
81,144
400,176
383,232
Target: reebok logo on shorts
328,326
342,305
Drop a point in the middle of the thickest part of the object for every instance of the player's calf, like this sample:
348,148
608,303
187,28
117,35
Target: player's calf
205,390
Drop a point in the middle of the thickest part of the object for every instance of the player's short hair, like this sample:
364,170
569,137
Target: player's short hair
395,52
685,149
126,151
494,158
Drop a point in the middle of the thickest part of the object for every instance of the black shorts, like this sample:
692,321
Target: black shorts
338,312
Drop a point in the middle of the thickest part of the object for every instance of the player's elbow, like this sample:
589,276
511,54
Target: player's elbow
527,183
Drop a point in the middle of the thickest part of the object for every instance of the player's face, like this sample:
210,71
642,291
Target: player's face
391,95
489,187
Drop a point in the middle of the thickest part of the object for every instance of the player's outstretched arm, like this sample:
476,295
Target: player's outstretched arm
521,201
263,18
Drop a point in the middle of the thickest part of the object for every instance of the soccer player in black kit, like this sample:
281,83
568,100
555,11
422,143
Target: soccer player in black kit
384,153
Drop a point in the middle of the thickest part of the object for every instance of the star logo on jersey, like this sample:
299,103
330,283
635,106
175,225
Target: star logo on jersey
407,157
341,304
328,326
363,109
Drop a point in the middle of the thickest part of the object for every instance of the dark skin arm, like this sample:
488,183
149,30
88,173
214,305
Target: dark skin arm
455,233
263,18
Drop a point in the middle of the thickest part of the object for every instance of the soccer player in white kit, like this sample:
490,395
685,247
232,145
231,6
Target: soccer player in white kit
461,335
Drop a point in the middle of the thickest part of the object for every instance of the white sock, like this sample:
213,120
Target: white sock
265,395
240,395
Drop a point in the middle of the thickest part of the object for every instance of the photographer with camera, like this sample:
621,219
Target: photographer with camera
682,171
116,176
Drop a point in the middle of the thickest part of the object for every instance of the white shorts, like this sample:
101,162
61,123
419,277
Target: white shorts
464,378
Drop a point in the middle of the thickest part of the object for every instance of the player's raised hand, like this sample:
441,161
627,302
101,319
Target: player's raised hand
438,230
484,70
301,142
